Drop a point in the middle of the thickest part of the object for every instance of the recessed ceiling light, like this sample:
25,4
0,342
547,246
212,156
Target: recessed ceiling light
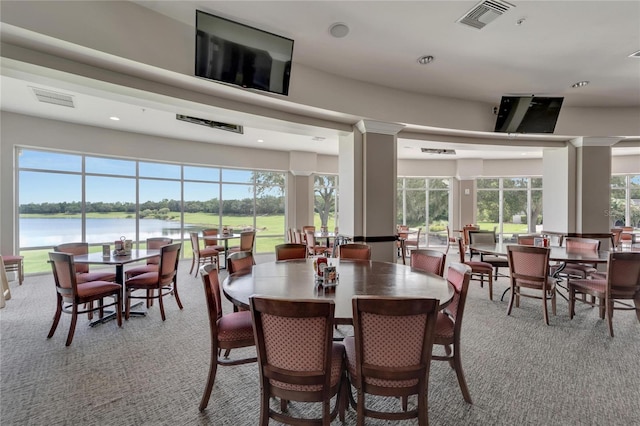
580,84
339,30
426,59
260,140
114,118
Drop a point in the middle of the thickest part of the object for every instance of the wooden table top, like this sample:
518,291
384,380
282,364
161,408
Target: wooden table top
559,254
295,279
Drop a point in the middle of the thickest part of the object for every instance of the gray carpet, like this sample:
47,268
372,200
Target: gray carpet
150,372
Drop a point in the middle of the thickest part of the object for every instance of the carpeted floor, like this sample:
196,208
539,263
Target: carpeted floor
150,372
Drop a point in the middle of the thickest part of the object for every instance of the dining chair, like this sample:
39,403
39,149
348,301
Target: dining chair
354,251
83,274
622,282
290,251
402,233
487,237
449,323
5,290
413,240
164,280
297,357
529,268
15,264
71,295
428,260
240,260
229,331
617,235
479,270
577,270
202,256
247,242
313,248
465,234
212,243
153,243
389,354
452,240
305,229
528,239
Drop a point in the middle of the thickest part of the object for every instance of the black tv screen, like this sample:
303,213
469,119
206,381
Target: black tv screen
528,114
234,53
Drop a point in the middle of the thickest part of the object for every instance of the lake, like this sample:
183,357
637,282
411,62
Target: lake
48,232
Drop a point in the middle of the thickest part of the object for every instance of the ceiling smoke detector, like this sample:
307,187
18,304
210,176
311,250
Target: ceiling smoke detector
438,151
484,13
339,30
235,128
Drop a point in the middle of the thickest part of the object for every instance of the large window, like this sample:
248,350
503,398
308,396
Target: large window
99,200
625,201
425,203
509,206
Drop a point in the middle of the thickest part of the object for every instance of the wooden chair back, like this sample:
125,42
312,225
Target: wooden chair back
297,359
392,345
428,260
355,251
291,251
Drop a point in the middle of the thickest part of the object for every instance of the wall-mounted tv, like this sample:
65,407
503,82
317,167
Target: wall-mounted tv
234,53
528,114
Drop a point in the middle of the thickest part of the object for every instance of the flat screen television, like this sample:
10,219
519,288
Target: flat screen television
237,54
528,114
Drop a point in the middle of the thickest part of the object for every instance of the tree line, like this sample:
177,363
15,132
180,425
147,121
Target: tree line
265,205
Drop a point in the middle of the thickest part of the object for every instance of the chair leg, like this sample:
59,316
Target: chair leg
572,302
193,262
161,304
609,307
72,327
544,307
213,368
175,294
264,408
457,361
127,304
56,317
636,301
490,287
511,299
118,298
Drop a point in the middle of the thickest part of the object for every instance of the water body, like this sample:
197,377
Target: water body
47,232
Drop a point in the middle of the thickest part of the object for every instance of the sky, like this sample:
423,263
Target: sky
55,177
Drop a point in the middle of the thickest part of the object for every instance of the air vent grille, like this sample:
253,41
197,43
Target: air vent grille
55,98
235,128
438,151
635,54
484,12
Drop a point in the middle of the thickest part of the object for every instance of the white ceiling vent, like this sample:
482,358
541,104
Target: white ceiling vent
635,54
484,12
438,151
235,128
49,97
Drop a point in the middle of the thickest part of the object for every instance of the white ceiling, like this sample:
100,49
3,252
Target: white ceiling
557,44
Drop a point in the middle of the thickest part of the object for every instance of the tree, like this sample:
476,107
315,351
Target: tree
325,188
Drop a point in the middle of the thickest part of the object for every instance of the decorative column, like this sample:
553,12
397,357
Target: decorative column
576,186
368,186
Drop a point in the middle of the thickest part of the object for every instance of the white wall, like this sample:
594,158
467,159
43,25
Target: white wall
127,31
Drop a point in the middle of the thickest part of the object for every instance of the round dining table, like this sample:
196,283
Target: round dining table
296,279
